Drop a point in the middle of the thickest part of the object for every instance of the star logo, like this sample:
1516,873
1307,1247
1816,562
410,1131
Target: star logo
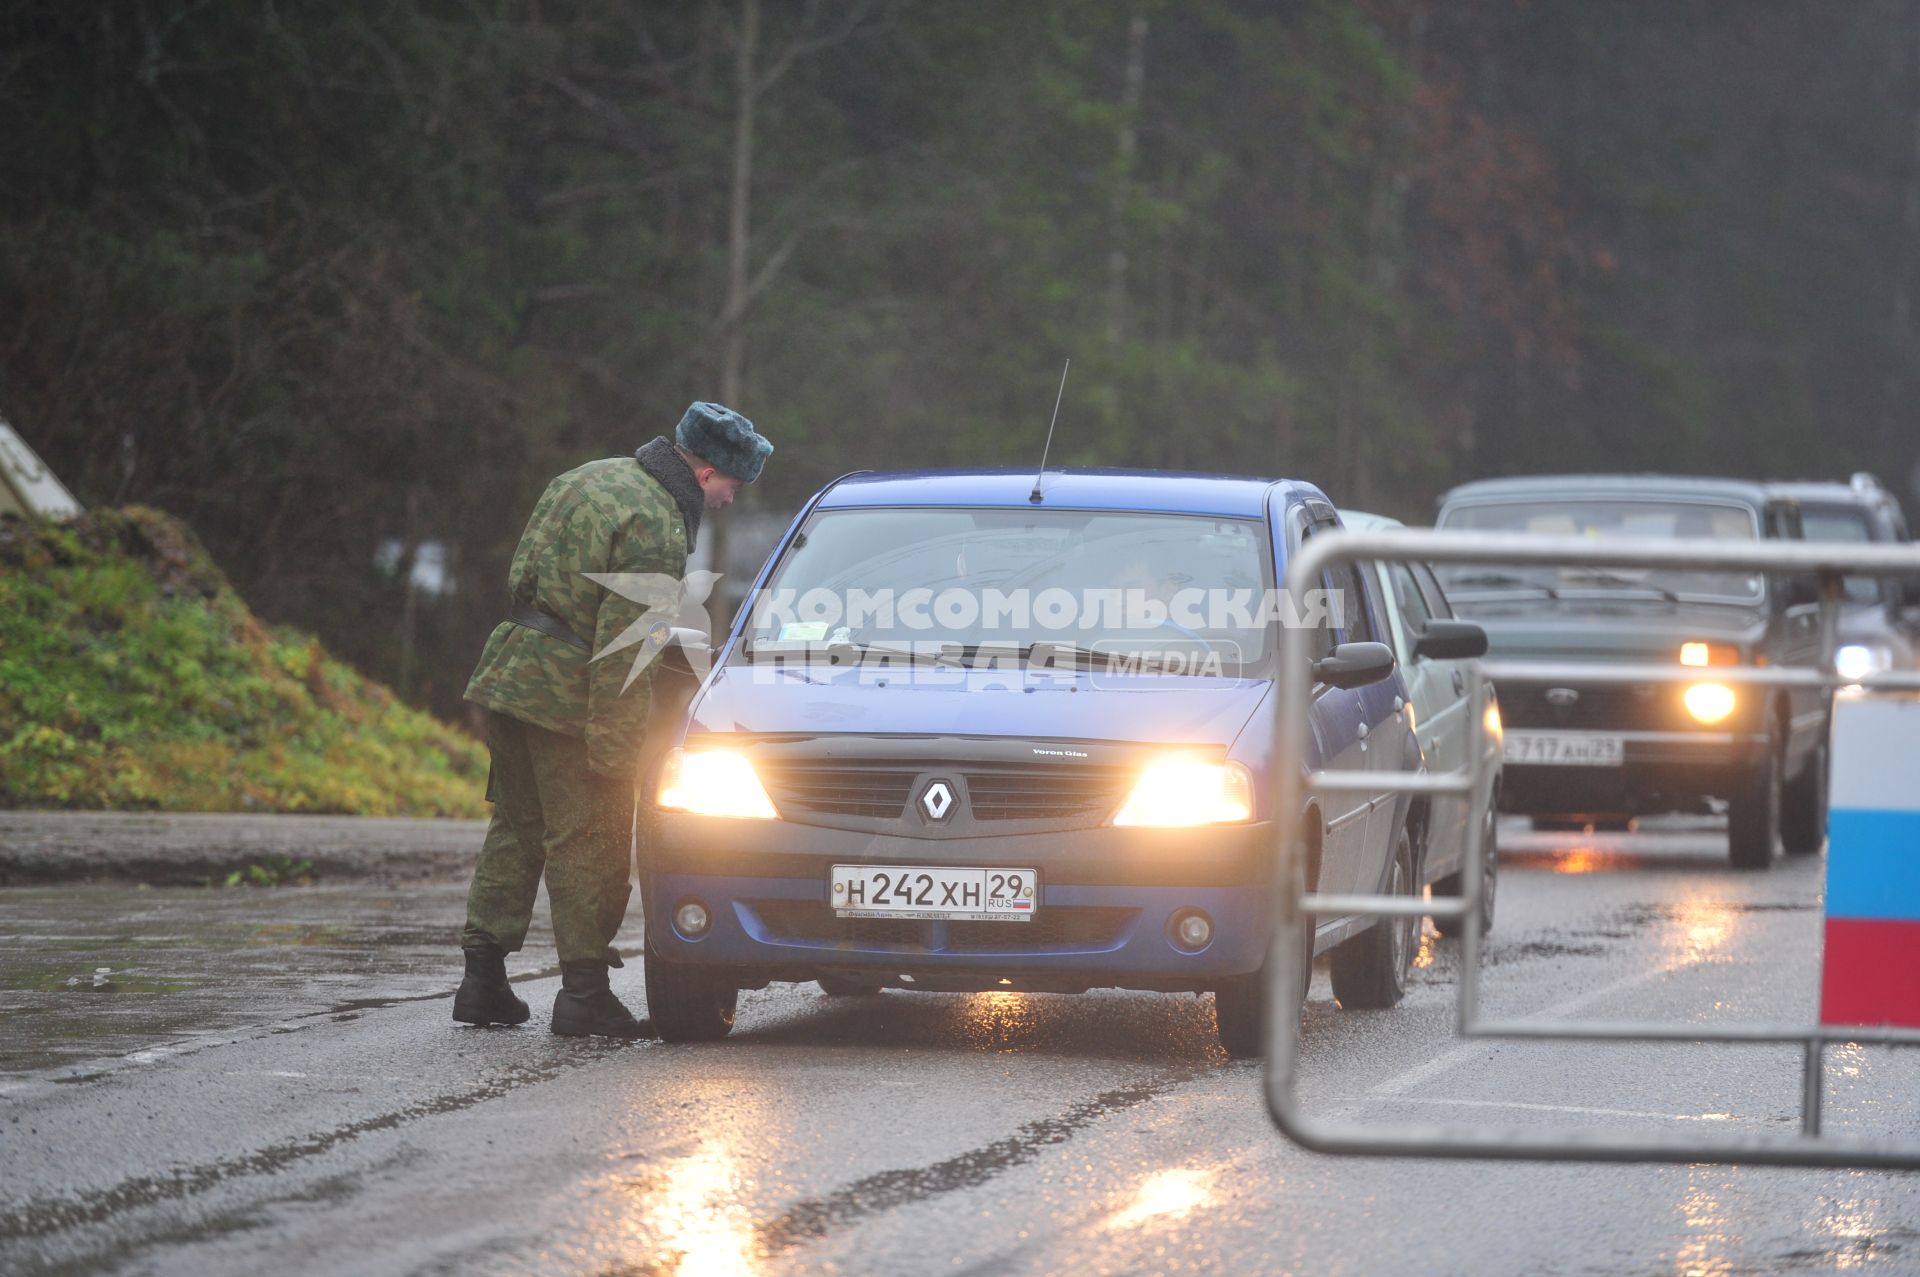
666,602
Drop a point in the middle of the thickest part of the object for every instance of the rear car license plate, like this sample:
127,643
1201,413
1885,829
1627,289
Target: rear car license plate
1564,749
908,891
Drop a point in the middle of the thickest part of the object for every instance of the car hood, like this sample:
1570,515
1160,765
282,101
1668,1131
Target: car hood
814,700
1599,631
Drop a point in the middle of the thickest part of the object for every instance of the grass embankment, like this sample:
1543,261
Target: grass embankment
133,677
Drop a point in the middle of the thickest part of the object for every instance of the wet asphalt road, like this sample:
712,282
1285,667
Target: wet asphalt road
268,1081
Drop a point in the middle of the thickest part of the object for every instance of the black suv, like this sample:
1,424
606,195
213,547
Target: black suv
1879,624
1608,752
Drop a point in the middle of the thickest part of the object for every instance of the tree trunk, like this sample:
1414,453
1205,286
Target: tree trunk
1896,420
733,337
1127,145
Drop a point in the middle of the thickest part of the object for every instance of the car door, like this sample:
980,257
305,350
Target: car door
1442,711
1794,629
1340,729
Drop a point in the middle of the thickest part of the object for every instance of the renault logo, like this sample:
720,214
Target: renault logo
937,801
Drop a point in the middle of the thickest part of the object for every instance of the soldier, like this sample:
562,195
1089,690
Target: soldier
565,730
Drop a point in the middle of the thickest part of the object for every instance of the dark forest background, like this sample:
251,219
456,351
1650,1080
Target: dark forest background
344,282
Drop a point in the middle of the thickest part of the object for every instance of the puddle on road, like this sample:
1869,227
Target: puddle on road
184,962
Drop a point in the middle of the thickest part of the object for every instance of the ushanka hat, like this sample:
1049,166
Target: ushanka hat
723,439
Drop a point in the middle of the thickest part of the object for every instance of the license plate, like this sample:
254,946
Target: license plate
1564,749
907,891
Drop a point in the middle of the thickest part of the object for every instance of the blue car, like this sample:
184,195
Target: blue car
974,733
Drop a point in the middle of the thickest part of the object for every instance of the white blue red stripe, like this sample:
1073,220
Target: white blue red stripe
1871,972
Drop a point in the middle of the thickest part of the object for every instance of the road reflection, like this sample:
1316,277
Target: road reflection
1709,1242
1164,1195
698,1215
688,1213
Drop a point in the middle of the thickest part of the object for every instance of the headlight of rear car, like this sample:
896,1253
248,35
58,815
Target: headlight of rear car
1862,660
713,782
1181,791
1709,702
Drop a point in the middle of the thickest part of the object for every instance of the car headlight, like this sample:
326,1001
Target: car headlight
713,782
1861,660
1709,702
1178,792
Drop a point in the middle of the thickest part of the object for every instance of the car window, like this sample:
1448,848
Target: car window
1350,604
1348,621
1409,601
1104,580
1831,524
1430,587
1626,517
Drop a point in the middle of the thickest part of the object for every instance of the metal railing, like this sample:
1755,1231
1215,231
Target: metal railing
1295,906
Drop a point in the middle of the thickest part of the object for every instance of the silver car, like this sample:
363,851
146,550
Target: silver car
1434,647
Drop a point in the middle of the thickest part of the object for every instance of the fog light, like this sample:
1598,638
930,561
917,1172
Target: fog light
691,919
1709,702
1192,930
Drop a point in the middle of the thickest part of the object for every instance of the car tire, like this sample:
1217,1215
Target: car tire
1453,928
1240,1003
843,986
1803,807
688,1003
1240,1016
1753,816
1370,970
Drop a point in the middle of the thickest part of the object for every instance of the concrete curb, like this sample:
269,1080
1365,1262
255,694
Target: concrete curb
190,849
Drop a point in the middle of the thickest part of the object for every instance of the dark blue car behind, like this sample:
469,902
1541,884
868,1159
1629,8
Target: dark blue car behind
966,740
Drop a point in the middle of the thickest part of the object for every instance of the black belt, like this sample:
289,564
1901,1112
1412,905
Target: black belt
547,623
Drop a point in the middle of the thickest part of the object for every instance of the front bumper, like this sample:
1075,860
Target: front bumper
1107,900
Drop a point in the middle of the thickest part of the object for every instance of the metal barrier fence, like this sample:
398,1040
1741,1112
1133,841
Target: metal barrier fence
1294,905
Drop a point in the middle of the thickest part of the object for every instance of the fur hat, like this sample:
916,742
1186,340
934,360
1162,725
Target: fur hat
723,439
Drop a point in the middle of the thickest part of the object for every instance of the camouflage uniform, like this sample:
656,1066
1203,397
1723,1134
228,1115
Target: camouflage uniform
566,740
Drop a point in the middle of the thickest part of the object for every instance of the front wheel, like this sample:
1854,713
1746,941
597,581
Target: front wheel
1753,816
1803,807
1240,1016
1370,970
688,1003
1451,885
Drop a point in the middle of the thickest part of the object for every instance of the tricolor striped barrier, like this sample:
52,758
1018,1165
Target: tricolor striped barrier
1872,973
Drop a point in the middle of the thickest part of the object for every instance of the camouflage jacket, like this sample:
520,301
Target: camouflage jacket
605,516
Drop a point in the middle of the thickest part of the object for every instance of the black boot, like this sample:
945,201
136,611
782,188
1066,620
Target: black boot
484,996
586,1006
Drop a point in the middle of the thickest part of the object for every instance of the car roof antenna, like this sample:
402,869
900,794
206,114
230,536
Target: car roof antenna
1034,496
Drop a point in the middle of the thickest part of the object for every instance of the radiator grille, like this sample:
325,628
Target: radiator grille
881,788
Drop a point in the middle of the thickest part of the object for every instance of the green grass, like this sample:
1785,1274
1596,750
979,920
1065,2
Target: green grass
133,677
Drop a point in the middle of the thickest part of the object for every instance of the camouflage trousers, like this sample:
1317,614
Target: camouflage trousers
553,815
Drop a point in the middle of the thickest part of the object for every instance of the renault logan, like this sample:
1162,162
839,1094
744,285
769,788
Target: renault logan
977,734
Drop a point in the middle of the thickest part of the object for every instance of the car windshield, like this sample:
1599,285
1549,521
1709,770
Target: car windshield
1629,517
973,584
1846,525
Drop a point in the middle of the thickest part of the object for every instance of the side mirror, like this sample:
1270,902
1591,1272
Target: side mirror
1354,665
1451,641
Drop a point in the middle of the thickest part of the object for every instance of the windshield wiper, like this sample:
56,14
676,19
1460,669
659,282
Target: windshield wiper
1614,581
1080,658
814,649
916,656
1501,580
